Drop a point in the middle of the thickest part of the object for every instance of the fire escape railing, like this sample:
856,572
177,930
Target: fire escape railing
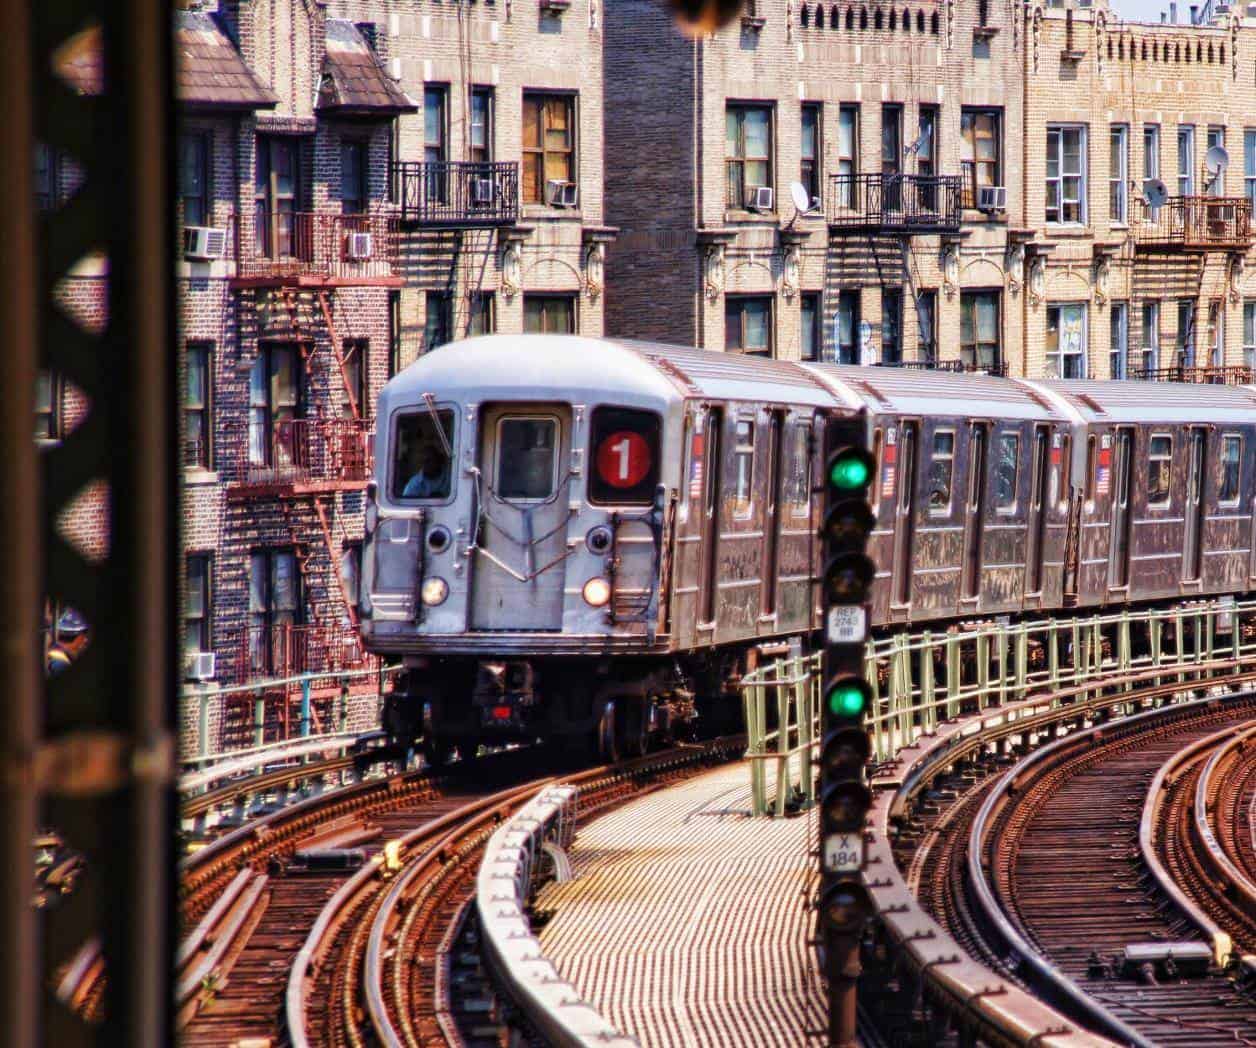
455,193
294,244
891,203
308,452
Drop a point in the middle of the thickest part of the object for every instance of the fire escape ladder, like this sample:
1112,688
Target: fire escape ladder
328,541
302,554
325,307
911,279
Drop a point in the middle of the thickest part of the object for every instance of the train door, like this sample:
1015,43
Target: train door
1037,512
905,512
525,456
712,469
1193,516
772,517
974,531
1119,545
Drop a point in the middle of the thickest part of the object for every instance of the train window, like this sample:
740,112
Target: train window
1006,469
877,444
743,459
420,461
1092,463
1066,468
1159,469
1231,459
527,457
625,453
941,471
799,491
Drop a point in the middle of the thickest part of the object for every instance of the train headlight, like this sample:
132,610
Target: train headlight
597,592
434,591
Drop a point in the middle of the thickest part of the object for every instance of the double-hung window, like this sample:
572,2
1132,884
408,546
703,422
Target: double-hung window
891,326
1151,337
748,324
1216,140
979,151
810,326
1118,174
927,325
1119,341
435,123
274,405
481,143
437,320
1066,341
549,314
198,423
848,348
1066,174
747,152
194,178
847,154
274,611
979,329
197,632
1249,334
1186,333
549,143
276,189
810,169
1186,160
1249,165
353,191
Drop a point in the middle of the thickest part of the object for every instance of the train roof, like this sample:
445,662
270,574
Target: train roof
736,376
908,391
495,366
1151,402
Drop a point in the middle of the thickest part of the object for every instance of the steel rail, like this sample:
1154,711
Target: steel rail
1023,951
1229,870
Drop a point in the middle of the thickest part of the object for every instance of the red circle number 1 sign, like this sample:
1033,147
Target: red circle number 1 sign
623,459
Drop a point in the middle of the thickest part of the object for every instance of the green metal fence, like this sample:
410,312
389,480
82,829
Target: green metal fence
919,679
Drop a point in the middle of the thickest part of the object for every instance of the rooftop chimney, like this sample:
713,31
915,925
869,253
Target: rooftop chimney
1194,14
1173,13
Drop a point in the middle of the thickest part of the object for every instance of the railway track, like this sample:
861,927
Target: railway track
1061,890
339,919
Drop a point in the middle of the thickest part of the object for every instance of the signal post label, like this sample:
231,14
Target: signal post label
843,853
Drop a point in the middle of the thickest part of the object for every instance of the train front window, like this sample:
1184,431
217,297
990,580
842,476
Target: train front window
625,451
743,459
940,471
1231,460
421,463
527,452
1159,469
1005,471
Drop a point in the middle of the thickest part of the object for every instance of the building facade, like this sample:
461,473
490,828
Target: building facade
975,173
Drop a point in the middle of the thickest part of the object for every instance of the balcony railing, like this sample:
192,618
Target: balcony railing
893,203
1217,375
1194,223
300,455
280,650
455,194
957,367
312,247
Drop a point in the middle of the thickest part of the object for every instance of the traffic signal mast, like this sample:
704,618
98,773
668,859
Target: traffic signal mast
844,903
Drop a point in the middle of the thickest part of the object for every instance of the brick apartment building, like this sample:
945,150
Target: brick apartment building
977,175
357,182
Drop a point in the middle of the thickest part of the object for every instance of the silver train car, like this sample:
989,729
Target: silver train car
582,539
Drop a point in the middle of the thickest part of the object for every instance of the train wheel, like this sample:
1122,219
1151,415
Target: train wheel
631,725
607,735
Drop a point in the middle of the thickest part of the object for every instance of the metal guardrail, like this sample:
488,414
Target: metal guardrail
503,888
920,680
1213,374
1194,223
893,203
454,193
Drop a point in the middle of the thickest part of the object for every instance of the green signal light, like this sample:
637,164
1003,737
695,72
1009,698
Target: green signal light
850,472
846,700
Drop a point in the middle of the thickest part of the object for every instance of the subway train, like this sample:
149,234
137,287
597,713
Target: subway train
581,539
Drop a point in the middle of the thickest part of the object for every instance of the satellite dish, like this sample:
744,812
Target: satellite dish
1216,160
801,198
1155,192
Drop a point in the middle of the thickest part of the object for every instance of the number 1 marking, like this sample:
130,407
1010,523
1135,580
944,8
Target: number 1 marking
622,448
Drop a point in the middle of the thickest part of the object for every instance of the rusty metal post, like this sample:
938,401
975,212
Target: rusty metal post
21,602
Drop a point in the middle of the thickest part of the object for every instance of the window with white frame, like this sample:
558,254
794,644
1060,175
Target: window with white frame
1249,165
1118,174
1216,332
1249,334
1186,332
1119,342
1066,174
1066,340
1151,157
1216,183
1186,160
1151,336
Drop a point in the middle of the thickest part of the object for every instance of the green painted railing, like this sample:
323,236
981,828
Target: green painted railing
920,679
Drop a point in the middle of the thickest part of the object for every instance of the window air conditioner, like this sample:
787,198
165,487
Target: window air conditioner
481,192
202,244
198,665
560,194
358,247
991,198
761,198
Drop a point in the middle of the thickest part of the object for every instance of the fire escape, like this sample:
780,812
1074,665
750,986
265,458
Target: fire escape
302,462
1199,226
897,206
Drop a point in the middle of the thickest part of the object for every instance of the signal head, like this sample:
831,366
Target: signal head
844,907
850,470
844,807
847,697
696,17
844,753
847,524
847,578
